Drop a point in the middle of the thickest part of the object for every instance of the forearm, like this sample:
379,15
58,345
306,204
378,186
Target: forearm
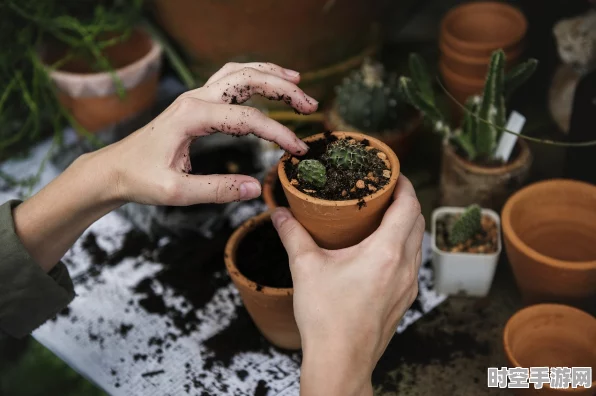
50,222
333,372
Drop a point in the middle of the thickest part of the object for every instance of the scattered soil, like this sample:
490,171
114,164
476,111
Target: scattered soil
483,242
261,257
342,184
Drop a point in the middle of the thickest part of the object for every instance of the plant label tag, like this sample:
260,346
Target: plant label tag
507,142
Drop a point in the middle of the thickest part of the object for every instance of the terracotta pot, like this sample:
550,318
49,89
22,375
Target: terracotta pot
340,224
271,309
92,97
463,183
476,29
460,88
473,67
549,231
337,31
273,193
399,141
551,335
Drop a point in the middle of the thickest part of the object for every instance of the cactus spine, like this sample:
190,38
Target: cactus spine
312,172
485,115
369,98
343,154
466,226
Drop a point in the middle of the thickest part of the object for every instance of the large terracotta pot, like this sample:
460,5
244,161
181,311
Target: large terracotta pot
549,231
463,183
340,224
309,36
551,335
271,309
92,98
476,29
400,141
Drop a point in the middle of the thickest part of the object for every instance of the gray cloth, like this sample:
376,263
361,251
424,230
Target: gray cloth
28,295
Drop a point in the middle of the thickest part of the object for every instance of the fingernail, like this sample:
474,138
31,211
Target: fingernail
311,100
279,216
249,190
291,73
303,146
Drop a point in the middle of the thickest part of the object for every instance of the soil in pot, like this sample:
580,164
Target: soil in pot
262,258
342,183
485,241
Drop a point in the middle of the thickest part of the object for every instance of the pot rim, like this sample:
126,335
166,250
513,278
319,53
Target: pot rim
515,240
469,9
468,82
154,53
549,307
456,209
230,257
391,156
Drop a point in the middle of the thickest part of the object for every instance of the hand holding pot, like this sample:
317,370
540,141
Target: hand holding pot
152,165
348,302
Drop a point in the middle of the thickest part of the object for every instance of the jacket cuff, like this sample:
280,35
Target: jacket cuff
28,295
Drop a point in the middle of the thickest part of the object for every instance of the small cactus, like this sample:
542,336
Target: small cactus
347,155
369,99
466,226
312,172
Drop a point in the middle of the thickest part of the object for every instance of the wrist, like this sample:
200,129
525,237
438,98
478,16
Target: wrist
334,368
98,179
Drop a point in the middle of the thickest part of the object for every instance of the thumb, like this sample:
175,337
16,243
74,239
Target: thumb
293,236
218,189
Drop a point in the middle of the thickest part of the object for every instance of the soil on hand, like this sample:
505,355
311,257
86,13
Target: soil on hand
483,242
342,184
262,258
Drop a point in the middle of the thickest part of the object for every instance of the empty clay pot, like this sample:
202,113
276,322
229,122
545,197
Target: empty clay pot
92,97
473,67
340,224
464,183
271,309
551,335
549,231
460,88
476,29
400,141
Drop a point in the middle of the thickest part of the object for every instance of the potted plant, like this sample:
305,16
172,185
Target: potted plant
466,244
471,171
340,189
368,101
259,267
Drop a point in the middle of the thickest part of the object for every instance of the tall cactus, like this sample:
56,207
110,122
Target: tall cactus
485,115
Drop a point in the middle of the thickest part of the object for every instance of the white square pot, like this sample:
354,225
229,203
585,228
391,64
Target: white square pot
468,274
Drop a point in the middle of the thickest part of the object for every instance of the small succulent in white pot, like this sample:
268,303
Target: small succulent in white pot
466,244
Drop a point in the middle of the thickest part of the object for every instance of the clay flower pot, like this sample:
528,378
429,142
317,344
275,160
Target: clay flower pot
549,231
400,141
92,97
551,335
271,309
460,88
476,29
340,224
463,273
463,183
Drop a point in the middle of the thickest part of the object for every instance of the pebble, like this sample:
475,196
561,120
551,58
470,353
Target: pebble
382,156
360,184
372,188
295,161
310,191
294,182
387,164
344,193
387,173
352,141
368,148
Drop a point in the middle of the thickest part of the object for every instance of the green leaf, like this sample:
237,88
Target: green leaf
421,77
486,138
466,144
412,95
519,75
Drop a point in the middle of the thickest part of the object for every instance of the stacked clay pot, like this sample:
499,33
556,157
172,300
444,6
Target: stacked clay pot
468,36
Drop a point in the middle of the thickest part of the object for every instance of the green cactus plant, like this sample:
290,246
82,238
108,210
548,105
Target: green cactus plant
346,155
485,115
369,99
312,172
466,226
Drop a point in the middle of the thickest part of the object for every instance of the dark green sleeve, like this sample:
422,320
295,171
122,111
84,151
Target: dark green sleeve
28,295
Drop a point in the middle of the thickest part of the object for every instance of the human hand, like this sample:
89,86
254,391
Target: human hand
348,302
152,165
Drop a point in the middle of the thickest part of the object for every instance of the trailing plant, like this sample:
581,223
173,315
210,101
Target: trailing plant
369,99
466,226
484,115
